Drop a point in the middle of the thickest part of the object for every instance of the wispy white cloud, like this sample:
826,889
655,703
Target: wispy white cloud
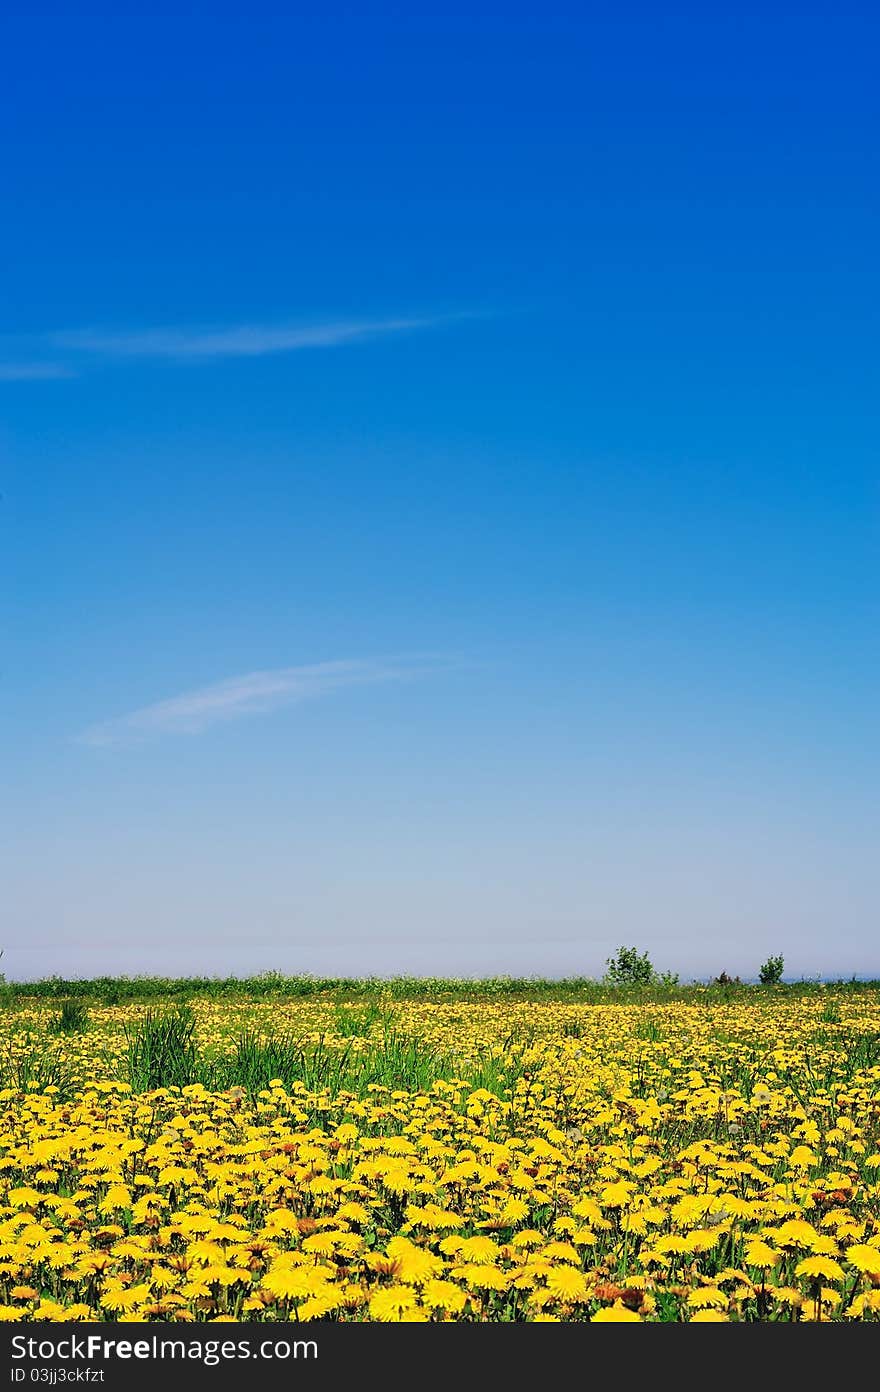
33,371
240,341
32,357
193,712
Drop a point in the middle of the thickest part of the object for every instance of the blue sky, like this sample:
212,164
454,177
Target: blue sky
439,527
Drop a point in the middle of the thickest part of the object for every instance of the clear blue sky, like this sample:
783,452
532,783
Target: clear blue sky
439,457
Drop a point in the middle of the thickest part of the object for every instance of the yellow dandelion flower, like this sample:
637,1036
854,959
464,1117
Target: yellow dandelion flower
617,1195
413,1264
795,1233
323,1244
864,1258
528,1237
761,1254
615,1314
786,1295
820,1268
293,1283
444,1295
478,1249
705,1296
587,1208
481,1275
393,1303
321,1304
565,1283
513,1211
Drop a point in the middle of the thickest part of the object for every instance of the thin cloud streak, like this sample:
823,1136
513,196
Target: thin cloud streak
193,712
93,346
242,341
34,372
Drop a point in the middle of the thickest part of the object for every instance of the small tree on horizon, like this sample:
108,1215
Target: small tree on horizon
630,968
771,972
725,980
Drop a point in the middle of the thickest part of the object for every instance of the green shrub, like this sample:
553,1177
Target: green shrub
629,968
633,968
771,972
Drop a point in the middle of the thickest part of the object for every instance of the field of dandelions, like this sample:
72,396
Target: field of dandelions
696,1160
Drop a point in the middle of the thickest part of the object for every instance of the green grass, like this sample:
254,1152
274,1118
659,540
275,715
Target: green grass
374,993
352,1022
33,1067
161,1051
362,1047
73,1018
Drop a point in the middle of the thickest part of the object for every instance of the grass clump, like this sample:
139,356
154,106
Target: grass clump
353,1022
161,1050
257,1062
73,1018
31,1067
394,1062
